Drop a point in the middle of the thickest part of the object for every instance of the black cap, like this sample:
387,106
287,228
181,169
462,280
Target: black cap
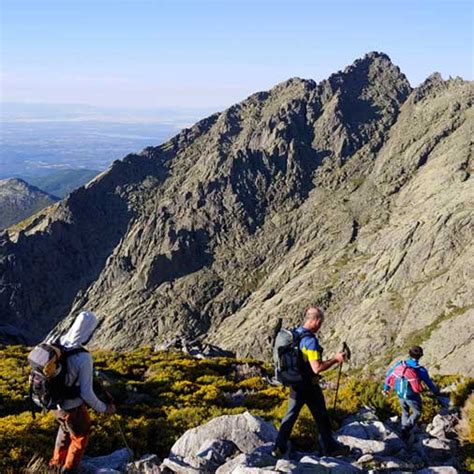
416,352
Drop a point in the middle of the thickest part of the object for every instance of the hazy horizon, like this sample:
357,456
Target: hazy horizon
63,112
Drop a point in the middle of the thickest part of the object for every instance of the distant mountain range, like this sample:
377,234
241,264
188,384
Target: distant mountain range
19,200
62,182
354,193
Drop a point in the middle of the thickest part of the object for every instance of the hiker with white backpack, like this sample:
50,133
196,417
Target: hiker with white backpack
61,380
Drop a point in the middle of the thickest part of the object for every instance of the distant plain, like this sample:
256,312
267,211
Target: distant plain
37,140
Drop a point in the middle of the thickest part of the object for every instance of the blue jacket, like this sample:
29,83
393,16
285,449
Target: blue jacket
422,373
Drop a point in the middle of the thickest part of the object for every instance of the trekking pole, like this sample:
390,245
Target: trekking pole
118,424
122,434
114,418
345,348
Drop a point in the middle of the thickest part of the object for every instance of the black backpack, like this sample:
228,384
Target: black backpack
287,357
48,363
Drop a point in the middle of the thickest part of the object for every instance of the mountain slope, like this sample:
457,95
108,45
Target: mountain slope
352,193
19,200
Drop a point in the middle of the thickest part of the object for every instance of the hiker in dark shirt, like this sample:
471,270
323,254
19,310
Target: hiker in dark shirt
406,379
309,392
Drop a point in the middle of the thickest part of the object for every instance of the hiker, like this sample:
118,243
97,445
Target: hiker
308,390
406,377
72,414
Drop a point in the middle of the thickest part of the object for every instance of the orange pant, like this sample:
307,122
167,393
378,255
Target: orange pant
72,438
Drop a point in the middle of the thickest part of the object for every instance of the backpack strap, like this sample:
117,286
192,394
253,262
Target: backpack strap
69,352
302,335
75,350
30,401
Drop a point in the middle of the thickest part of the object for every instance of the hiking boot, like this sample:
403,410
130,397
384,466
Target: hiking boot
405,433
338,450
278,452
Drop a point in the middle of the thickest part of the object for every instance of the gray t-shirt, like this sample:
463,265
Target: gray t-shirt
80,373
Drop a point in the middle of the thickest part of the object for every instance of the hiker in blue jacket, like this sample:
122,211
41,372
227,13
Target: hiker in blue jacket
406,378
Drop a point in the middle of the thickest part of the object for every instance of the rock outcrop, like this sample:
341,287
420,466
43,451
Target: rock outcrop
207,448
113,463
196,349
374,445
242,444
355,194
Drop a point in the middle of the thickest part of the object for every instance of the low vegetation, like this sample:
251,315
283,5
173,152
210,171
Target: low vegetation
160,395
466,431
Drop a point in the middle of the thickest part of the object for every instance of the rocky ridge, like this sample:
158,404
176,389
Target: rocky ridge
355,193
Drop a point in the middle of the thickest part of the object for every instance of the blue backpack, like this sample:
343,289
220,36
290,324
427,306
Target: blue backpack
405,380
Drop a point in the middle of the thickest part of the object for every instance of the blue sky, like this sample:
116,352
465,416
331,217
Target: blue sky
200,53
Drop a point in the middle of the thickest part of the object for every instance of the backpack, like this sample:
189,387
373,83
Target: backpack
404,379
48,363
287,357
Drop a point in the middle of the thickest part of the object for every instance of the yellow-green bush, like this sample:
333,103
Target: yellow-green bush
13,380
253,383
466,433
21,437
217,381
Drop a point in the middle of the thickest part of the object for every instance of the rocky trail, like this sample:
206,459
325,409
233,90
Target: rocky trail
242,444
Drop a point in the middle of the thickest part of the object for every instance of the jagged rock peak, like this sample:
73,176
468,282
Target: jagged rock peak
372,79
374,55
371,65
433,85
368,59
372,76
434,78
